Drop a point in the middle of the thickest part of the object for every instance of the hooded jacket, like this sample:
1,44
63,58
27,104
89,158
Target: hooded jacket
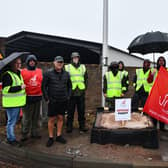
32,77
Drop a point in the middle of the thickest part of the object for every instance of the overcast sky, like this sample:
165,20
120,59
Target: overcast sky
82,19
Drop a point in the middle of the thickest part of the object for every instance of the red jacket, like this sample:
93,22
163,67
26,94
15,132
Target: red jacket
32,80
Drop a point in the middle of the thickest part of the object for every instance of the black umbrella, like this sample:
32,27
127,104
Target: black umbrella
151,42
11,57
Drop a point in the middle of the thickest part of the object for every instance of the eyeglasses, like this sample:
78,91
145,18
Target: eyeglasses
60,62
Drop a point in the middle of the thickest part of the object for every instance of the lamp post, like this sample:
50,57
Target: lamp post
104,61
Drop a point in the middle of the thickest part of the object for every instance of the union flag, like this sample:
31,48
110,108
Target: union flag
157,102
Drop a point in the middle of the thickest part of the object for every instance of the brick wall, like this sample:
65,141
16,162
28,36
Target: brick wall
94,91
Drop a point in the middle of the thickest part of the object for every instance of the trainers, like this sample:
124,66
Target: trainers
61,139
50,142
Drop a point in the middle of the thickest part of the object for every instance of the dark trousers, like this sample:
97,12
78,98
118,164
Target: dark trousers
79,102
110,102
31,113
138,100
161,124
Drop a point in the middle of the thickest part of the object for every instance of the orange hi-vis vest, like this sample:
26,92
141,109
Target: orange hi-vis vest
32,80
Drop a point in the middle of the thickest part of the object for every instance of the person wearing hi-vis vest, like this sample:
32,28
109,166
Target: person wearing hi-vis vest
142,87
32,77
79,79
13,97
114,85
124,72
161,61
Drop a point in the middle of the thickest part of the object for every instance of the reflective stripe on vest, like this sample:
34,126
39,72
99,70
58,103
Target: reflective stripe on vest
16,99
142,80
76,75
114,87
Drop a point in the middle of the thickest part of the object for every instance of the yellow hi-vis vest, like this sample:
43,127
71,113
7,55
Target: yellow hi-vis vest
114,86
125,73
16,99
142,80
76,75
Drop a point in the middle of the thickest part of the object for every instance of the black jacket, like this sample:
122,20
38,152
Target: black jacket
56,86
7,81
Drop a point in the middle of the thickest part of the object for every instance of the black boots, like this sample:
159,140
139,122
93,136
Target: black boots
83,129
69,128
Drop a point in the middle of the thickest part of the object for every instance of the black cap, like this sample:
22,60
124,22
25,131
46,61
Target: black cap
59,58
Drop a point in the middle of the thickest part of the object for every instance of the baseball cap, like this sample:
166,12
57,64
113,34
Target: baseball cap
59,59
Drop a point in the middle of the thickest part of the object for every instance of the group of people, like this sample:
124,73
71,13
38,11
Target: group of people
116,84
63,88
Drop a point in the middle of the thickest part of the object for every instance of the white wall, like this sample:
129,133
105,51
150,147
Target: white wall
129,60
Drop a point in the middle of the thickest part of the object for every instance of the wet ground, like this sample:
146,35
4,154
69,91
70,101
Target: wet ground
79,146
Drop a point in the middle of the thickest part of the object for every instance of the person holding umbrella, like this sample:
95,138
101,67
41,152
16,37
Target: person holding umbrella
152,76
142,87
13,97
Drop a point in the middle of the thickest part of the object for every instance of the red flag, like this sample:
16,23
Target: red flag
157,101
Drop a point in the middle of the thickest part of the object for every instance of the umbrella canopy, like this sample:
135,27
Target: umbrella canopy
10,58
151,42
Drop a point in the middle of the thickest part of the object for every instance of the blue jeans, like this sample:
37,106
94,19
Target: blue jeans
13,116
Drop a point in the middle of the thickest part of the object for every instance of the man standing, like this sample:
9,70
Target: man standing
142,87
56,87
79,79
32,77
13,97
114,85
